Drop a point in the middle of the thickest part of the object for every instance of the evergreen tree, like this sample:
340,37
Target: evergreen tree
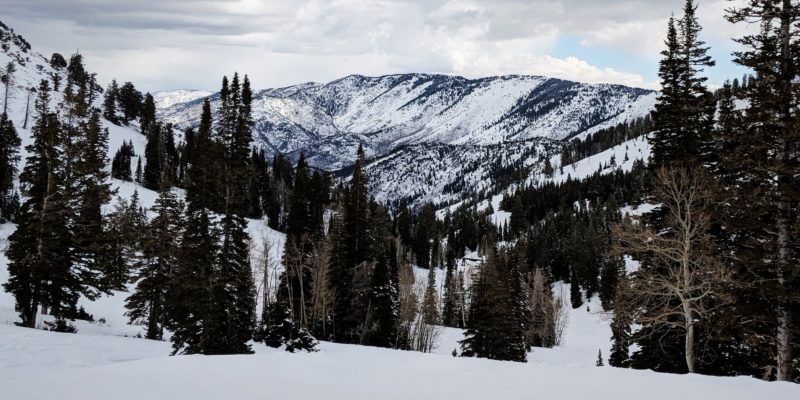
123,230
280,330
351,247
430,306
39,252
575,295
160,248
599,362
9,157
121,163
612,269
147,116
110,102
232,292
139,174
384,299
620,332
190,297
90,239
130,102
154,157
7,78
762,159
491,333
190,294
452,298
683,117
298,247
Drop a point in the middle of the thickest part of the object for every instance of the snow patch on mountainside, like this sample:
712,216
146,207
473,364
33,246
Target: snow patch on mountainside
618,158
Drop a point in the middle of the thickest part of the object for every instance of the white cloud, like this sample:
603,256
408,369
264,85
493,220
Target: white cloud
162,44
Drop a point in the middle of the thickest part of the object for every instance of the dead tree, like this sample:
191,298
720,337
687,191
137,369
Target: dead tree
681,282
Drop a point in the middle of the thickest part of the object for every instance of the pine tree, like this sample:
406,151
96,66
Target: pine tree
139,175
9,157
298,247
123,229
169,153
764,158
452,297
7,79
599,362
351,247
39,252
154,157
121,163
160,248
384,299
575,295
233,292
281,330
683,117
90,239
430,306
130,102
492,329
147,117
620,331
612,269
110,102
190,295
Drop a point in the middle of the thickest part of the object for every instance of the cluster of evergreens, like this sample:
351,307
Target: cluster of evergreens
56,254
724,180
744,163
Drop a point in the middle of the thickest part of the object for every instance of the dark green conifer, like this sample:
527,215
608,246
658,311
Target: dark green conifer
160,249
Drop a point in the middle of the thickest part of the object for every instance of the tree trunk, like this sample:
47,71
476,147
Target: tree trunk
5,102
29,321
27,108
689,346
783,335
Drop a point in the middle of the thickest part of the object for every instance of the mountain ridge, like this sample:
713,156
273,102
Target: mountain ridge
328,121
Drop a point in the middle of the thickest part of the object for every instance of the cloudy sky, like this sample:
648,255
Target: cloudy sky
172,44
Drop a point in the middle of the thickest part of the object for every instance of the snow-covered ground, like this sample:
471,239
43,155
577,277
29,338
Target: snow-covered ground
42,365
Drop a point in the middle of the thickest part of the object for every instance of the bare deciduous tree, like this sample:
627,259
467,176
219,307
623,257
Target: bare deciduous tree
323,296
682,282
408,305
560,315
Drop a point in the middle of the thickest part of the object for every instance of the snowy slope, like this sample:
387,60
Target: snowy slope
31,68
618,158
443,173
76,367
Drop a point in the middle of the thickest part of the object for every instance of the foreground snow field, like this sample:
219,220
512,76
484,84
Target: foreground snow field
42,365
100,362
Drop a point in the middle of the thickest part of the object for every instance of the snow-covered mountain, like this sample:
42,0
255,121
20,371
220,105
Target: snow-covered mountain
429,137
328,121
